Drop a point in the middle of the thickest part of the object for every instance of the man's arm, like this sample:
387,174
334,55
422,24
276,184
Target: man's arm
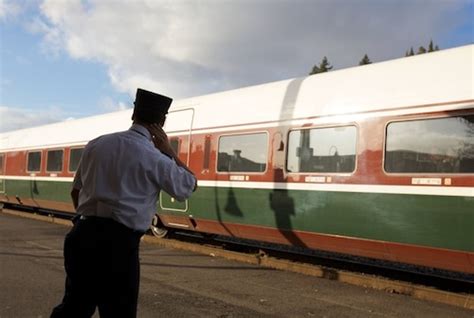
75,202
75,197
76,186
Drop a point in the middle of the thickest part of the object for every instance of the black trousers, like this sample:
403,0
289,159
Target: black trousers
102,270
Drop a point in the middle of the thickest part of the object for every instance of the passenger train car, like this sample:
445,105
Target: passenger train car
374,161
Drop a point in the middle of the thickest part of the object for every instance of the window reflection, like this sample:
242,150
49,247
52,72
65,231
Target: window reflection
443,145
243,153
75,158
34,161
326,150
55,161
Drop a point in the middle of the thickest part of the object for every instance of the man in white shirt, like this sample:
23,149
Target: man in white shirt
115,193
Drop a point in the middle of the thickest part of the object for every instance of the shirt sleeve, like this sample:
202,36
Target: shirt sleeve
173,179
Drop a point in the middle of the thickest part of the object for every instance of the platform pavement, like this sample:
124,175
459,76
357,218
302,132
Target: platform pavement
183,284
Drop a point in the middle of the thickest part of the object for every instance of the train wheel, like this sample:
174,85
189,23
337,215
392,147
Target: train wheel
157,228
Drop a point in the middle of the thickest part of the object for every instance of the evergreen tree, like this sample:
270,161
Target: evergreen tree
421,50
430,46
324,66
315,70
365,60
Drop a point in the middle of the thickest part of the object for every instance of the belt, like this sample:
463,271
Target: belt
98,219
84,217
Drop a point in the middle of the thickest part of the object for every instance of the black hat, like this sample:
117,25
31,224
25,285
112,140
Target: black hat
150,107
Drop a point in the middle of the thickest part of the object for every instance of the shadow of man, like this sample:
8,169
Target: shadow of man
232,207
283,207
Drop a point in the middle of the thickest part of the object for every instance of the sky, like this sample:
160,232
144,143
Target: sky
67,59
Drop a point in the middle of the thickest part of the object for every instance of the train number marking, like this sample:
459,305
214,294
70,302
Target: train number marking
426,181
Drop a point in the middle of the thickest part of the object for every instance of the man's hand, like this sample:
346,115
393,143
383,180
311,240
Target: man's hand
160,139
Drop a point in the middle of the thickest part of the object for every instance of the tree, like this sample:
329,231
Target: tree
421,50
365,60
323,67
410,53
430,46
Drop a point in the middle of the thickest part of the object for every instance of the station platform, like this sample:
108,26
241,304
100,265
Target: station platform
176,283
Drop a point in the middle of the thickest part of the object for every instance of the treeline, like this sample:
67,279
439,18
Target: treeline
325,65
421,49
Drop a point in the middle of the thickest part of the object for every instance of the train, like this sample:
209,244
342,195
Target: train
374,161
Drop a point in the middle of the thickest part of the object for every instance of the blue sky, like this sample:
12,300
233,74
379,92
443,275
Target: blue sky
70,59
34,79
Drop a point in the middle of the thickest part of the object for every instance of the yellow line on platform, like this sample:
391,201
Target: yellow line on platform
367,281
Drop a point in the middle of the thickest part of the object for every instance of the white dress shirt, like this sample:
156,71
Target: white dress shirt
120,177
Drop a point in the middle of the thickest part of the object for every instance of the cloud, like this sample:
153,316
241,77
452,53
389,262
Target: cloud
108,104
186,48
12,118
8,9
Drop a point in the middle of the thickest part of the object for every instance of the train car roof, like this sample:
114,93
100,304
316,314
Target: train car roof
444,76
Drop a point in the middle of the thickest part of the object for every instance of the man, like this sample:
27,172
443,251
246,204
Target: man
115,192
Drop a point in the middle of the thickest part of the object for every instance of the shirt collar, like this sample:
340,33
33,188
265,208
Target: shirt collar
141,130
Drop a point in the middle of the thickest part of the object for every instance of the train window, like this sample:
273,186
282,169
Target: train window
2,162
34,161
54,161
74,158
242,153
323,150
441,145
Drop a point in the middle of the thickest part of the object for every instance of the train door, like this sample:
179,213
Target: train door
2,173
179,128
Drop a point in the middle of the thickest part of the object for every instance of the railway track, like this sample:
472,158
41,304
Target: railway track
422,283
443,280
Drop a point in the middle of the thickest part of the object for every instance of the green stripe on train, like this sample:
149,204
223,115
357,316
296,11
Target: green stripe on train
437,221
42,190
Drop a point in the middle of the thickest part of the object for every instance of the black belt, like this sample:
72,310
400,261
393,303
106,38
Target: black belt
90,217
98,219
